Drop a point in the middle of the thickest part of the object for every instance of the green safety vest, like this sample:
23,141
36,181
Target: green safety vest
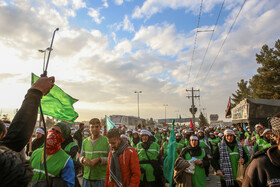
187,142
262,144
55,163
215,140
153,153
199,176
181,144
100,149
68,148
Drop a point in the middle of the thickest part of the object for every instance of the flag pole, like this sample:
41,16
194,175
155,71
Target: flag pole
42,115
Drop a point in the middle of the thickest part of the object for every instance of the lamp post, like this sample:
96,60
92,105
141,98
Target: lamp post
138,92
44,51
165,105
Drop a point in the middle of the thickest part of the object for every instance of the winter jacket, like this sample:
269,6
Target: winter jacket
264,169
130,169
22,126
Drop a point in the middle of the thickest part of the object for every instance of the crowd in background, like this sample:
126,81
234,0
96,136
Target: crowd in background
133,157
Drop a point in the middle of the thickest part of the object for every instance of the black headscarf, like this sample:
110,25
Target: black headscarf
136,140
194,151
147,144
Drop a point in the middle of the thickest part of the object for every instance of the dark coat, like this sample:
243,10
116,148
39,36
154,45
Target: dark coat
264,169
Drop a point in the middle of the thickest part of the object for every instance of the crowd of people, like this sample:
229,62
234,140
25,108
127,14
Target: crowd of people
133,157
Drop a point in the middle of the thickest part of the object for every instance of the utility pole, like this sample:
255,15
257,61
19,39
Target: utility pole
138,92
193,109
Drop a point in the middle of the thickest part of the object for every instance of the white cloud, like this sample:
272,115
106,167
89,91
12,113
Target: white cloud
127,25
105,3
119,2
60,2
95,14
163,39
77,4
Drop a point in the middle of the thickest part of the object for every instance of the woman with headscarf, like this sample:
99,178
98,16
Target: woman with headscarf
37,142
148,153
227,157
249,148
195,154
135,139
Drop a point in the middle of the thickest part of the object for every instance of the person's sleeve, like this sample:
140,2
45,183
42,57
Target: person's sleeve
68,173
215,160
104,160
22,126
108,171
135,168
252,176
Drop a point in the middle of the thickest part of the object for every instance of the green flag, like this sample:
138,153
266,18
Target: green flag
168,165
58,104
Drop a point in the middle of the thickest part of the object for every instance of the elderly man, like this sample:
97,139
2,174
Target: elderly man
226,159
123,164
265,165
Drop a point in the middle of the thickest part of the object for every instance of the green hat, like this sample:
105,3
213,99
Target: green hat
65,130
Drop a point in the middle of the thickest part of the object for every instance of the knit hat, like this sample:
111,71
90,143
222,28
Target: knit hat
65,130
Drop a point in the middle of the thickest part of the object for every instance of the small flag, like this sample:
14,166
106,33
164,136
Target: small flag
109,124
191,125
228,111
58,104
168,165
244,127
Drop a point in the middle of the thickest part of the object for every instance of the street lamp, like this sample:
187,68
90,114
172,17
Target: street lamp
138,92
44,51
165,105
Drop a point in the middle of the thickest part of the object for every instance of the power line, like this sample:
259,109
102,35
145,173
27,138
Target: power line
198,22
224,42
202,62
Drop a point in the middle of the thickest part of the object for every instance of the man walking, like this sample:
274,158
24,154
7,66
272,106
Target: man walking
94,155
123,167
265,165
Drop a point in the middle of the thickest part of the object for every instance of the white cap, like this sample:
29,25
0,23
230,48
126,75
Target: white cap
211,133
220,135
178,134
41,131
193,137
228,131
265,131
235,129
144,131
135,132
124,136
200,131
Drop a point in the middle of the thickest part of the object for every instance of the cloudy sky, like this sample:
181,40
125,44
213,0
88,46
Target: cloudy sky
107,49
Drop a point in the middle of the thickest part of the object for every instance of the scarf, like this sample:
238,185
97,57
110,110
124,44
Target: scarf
115,169
53,142
225,163
136,140
194,151
147,144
